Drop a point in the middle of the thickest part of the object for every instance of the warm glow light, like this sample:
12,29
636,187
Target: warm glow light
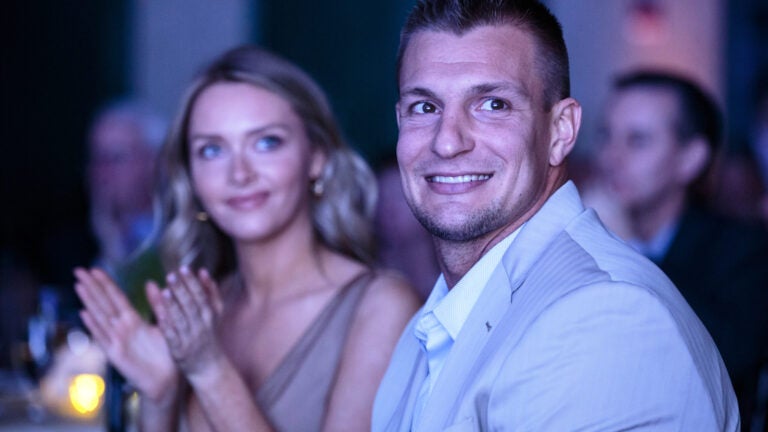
85,392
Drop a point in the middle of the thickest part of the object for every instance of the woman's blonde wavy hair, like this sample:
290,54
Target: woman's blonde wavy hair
341,215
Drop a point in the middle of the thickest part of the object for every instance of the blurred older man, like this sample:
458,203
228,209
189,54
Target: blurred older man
123,141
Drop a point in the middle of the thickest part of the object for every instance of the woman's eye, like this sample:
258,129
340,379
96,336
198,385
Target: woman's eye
494,105
209,150
268,142
423,108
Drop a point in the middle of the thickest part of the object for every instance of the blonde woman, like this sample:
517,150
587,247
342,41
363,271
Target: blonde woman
272,317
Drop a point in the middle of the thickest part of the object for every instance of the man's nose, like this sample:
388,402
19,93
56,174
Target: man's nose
453,136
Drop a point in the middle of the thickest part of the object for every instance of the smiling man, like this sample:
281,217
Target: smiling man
541,320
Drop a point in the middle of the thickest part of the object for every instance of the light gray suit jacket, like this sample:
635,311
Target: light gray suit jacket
574,331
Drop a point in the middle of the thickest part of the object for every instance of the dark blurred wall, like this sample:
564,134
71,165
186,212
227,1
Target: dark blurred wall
59,61
349,46
746,59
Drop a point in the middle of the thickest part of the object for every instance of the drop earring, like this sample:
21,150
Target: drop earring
318,188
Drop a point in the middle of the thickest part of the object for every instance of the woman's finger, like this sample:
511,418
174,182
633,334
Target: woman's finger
97,332
155,300
93,306
114,293
84,292
187,293
99,301
211,291
175,315
165,321
207,309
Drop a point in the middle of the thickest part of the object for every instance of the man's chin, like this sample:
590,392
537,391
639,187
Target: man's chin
459,232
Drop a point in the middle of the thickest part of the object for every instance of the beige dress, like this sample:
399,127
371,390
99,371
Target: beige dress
295,397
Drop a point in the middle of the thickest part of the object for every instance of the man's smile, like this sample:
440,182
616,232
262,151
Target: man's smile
458,179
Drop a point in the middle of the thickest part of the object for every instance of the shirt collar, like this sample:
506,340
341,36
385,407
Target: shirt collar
452,307
656,248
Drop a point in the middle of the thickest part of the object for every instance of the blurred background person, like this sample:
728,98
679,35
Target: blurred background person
123,142
659,136
262,198
404,245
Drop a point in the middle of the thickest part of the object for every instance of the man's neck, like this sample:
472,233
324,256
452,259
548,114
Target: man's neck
455,259
647,222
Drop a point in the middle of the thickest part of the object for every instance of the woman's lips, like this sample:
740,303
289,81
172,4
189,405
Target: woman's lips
247,202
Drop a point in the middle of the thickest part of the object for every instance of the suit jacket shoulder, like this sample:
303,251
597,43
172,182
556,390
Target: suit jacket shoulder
573,330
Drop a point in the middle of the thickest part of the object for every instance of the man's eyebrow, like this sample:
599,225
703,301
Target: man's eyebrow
492,87
417,92
479,89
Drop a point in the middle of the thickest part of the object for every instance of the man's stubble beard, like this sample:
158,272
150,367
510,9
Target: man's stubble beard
475,225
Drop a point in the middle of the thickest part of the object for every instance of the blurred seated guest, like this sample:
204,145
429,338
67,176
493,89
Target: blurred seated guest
404,244
273,317
123,138
123,142
660,134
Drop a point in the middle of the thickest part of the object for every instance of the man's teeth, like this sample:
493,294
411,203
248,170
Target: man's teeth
459,179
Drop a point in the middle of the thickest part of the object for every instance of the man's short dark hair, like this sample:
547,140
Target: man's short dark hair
460,16
698,114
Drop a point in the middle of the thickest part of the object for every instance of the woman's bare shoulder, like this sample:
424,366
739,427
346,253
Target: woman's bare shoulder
389,294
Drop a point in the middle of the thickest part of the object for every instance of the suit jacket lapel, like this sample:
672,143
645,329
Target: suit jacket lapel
488,311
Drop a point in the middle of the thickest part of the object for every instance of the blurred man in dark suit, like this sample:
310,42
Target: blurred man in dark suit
660,134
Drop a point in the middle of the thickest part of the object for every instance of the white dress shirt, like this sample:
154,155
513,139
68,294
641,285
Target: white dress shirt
445,312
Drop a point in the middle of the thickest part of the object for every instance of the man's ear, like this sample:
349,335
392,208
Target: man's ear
397,114
566,120
694,156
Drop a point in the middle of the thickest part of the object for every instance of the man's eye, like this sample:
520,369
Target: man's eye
268,142
423,108
494,105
